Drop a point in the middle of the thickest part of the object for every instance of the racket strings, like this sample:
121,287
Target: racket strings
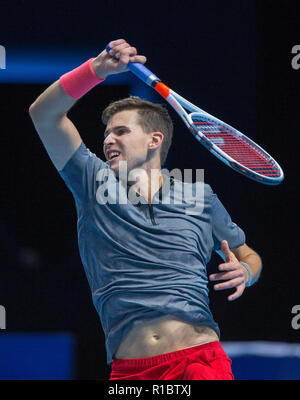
237,147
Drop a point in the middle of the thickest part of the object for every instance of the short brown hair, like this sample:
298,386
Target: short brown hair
152,117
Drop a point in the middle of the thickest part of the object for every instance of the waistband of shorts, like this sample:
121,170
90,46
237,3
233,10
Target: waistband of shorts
147,362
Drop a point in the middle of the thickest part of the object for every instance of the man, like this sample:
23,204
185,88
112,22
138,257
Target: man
145,261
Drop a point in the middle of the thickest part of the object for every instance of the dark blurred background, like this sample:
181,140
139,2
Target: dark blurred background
231,58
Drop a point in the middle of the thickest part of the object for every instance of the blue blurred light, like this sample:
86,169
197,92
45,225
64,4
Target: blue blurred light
46,66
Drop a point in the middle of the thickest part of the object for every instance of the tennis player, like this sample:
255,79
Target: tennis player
145,260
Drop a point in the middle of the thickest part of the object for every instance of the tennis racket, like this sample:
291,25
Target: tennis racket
225,142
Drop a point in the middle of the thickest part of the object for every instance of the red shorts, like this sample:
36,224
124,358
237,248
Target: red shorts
203,362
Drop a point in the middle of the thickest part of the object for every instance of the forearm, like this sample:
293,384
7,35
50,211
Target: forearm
53,103
245,254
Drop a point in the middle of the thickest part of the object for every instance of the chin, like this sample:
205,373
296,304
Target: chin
115,168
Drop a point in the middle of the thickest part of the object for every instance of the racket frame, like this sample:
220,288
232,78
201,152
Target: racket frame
179,104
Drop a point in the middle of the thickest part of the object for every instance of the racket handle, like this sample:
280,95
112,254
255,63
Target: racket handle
143,73
140,71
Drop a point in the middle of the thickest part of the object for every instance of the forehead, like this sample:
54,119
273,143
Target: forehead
125,117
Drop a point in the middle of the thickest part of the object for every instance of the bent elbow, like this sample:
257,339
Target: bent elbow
34,111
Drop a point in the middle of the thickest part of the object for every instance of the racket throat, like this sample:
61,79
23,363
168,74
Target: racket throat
161,88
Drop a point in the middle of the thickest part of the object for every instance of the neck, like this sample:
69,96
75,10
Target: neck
146,182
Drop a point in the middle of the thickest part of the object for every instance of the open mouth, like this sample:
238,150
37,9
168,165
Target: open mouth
113,155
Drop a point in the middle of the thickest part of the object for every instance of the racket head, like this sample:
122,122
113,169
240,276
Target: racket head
235,149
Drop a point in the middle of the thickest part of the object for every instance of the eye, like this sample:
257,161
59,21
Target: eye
118,131
122,131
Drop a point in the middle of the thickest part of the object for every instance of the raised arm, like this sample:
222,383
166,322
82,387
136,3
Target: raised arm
57,132
49,111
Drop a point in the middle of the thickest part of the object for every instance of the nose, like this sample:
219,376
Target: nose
110,139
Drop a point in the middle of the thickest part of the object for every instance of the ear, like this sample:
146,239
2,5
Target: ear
156,140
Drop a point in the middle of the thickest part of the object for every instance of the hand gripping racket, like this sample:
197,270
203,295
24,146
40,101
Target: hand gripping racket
222,140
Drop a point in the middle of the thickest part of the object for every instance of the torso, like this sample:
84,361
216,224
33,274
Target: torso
163,335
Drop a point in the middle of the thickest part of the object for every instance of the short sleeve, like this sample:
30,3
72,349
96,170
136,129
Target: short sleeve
80,173
223,228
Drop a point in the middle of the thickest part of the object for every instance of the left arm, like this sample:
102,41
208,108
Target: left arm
236,274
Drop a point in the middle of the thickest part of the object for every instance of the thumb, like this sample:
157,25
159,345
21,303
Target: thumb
226,250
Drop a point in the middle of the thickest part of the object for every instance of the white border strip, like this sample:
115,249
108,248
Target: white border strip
262,349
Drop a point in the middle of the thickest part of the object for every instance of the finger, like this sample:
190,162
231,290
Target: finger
230,266
115,43
125,54
229,284
239,291
226,250
138,59
119,50
132,51
222,276
125,58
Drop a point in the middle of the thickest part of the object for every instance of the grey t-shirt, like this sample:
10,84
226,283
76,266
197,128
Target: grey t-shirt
145,261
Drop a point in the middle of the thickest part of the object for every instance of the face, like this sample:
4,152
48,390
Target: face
125,140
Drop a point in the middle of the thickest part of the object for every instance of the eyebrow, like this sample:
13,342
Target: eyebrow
107,131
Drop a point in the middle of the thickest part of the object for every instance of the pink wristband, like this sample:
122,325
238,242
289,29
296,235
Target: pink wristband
80,80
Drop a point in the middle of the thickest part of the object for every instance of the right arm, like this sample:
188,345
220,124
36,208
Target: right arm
49,111
57,132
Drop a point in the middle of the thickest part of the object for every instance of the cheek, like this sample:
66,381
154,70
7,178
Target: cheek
137,149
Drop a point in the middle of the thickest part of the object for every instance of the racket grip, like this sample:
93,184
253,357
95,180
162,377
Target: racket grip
140,71
143,73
